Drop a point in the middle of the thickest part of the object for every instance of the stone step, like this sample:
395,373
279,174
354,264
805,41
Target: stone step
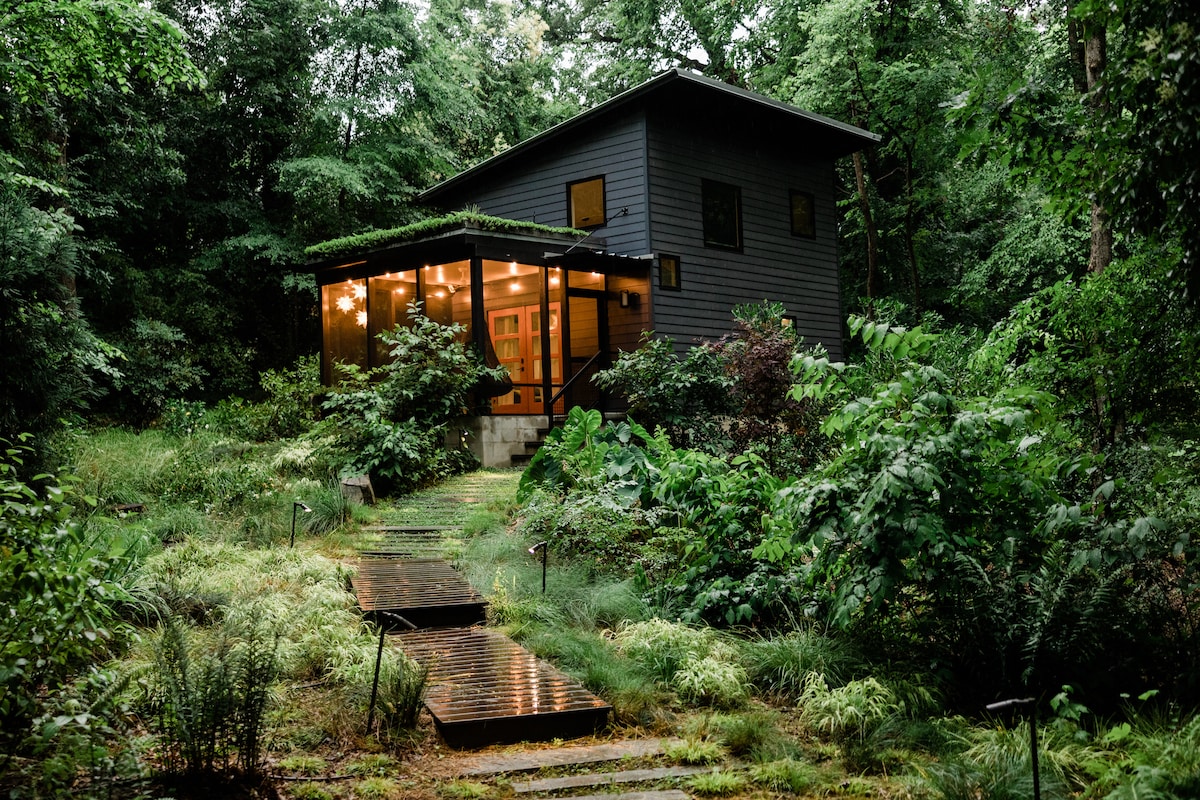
662,794
497,764
605,779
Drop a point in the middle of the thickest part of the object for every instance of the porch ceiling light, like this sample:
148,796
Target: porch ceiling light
512,268
515,286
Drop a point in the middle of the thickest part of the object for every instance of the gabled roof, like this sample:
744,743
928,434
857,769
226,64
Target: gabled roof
839,138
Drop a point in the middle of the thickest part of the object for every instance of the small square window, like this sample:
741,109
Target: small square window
804,218
722,211
668,272
585,203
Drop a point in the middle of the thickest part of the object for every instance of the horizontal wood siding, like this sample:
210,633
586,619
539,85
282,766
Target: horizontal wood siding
625,325
774,265
533,187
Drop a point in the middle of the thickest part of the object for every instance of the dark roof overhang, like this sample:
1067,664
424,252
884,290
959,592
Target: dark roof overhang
714,98
539,249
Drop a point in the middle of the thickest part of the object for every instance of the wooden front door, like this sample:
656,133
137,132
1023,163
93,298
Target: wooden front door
517,337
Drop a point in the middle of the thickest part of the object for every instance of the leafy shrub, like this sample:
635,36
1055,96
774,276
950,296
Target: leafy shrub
158,366
391,422
58,594
685,396
585,453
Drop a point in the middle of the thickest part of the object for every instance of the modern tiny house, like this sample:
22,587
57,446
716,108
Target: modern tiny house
660,209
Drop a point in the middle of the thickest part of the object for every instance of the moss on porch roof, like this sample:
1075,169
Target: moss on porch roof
372,240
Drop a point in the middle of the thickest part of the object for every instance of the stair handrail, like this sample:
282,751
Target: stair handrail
563,390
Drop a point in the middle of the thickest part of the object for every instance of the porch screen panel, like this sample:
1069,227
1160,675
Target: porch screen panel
584,342
390,295
344,323
447,294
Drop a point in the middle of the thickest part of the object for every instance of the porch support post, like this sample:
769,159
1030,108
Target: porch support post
544,335
478,312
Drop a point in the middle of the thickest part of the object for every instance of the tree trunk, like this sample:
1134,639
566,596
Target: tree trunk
1095,49
864,202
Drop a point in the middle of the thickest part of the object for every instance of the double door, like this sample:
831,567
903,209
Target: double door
517,337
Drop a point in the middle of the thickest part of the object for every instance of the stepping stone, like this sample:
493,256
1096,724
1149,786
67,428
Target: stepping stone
665,794
606,778
562,756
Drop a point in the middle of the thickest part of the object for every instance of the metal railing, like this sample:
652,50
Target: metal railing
566,386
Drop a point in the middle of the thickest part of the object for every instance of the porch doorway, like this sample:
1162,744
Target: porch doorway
517,337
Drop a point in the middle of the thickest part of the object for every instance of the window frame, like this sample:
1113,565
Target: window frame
713,192
571,203
677,285
808,227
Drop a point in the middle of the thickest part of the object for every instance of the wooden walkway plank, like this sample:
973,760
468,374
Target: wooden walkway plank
484,688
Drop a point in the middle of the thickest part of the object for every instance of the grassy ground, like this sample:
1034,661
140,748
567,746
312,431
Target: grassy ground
797,715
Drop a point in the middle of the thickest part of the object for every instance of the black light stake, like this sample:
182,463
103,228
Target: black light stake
296,506
533,550
379,659
1031,703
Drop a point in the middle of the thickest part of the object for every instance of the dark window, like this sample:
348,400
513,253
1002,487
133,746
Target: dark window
585,203
804,219
668,272
722,215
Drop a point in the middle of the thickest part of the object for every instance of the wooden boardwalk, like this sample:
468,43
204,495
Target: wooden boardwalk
483,688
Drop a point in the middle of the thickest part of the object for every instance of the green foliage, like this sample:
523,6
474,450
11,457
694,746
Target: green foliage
728,504
585,453
695,662
59,594
1151,92
683,395
157,366
781,665
394,428
718,783
51,363
210,704
1118,349
1158,763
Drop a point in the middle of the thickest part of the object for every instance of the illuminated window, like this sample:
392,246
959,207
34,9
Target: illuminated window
668,272
585,203
722,211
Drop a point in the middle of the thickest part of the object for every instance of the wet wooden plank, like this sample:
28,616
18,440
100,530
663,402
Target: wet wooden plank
484,688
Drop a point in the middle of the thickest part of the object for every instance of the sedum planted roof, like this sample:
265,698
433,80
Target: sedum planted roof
378,239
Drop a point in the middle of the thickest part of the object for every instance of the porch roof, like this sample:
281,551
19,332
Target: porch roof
522,242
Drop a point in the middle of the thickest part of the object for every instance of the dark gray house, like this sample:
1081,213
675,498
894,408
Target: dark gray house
686,196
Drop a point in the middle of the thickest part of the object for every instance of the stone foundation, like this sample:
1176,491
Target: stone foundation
495,440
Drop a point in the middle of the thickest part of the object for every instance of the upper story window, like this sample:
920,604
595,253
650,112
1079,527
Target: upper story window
722,213
585,203
804,219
